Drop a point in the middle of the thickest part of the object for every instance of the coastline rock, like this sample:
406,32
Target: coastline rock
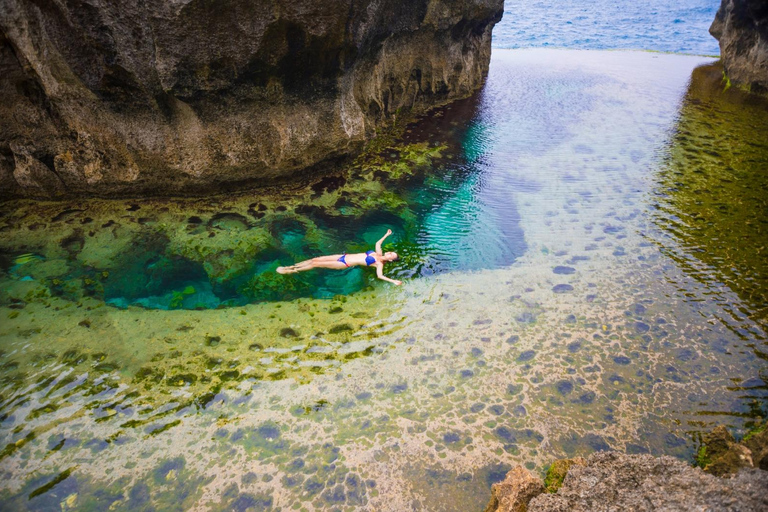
757,443
741,27
557,472
116,98
514,492
612,481
721,455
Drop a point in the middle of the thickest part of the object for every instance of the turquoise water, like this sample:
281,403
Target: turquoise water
659,25
583,265
433,193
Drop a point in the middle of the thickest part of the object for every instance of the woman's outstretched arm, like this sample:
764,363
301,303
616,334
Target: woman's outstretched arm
380,274
378,244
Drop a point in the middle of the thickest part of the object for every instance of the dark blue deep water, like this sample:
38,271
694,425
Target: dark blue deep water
680,26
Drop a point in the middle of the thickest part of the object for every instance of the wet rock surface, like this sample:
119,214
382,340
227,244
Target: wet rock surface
515,491
119,98
612,481
741,27
721,455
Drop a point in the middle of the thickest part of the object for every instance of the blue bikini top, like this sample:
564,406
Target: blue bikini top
369,260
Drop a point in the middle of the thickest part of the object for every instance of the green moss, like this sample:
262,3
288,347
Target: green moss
727,82
754,431
556,474
340,328
177,300
702,459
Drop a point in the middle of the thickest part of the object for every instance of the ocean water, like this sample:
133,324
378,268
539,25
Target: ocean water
659,25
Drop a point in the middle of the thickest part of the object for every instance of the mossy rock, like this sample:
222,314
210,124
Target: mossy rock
756,440
720,455
557,472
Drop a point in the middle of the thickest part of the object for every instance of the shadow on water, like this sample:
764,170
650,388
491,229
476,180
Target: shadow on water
711,194
428,188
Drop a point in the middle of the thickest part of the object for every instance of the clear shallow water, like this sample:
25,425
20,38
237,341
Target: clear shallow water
677,27
223,252
566,295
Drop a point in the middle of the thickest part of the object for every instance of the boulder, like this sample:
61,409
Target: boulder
515,492
721,455
757,443
610,481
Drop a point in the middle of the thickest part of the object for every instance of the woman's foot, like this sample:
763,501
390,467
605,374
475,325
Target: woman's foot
283,270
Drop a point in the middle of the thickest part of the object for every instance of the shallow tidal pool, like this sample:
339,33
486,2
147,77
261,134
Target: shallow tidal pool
583,249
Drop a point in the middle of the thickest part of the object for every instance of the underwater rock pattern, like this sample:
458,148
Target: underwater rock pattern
741,27
118,98
417,396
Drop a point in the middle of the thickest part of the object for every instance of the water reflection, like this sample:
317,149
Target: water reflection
711,198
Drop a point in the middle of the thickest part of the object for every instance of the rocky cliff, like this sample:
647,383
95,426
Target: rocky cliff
119,97
741,26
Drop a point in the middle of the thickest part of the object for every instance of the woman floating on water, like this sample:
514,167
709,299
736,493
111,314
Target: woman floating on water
341,261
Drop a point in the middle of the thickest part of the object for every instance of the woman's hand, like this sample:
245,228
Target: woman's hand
398,283
389,232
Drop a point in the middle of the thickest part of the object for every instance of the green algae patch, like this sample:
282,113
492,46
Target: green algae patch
53,483
702,458
163,428
11,448
755,430
557,472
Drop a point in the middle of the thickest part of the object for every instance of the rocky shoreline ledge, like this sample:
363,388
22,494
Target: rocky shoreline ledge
123,99
728,475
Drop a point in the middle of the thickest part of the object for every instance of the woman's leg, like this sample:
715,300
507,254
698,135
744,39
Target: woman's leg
319,262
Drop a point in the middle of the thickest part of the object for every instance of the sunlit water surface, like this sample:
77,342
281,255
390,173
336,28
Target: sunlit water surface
583,249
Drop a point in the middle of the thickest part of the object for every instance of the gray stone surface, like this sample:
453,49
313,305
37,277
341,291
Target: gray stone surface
741,27
613,482
117,97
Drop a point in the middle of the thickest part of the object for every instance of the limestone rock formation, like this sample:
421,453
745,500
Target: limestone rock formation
757,443
185,96
514,492
721,455
612,481
741,26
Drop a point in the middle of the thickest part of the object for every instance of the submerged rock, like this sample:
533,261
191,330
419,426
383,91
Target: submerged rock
224,93
721,455
741,27
757,443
